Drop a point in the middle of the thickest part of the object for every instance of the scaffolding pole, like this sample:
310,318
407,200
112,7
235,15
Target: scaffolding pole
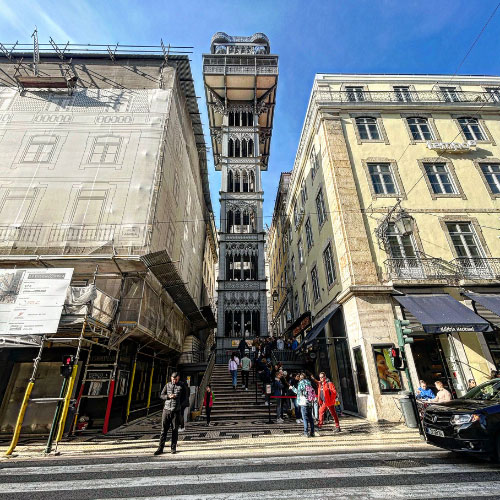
24,404
150,386
129,400
110,395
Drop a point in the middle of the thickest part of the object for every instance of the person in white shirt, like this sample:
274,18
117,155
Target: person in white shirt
246,365
280,344
233,369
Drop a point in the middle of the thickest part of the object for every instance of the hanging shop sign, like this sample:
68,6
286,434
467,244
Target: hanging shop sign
301,324
31,300
452,147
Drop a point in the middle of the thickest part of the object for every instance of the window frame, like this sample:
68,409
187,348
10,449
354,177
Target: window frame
315,284
305,296
300,252
329,260
358,91
419,130
451,171
430,123
379,123
479,164
447,91
400,192
321,210
464,219
408,88
488,138
309,233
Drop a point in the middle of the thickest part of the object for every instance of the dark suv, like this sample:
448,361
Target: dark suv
470,423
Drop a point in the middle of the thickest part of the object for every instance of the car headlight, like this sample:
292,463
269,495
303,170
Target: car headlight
464,419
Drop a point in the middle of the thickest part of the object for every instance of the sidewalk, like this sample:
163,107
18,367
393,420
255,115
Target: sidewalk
229,439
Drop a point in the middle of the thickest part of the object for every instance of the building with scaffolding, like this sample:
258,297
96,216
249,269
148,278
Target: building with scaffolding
240,78
104,171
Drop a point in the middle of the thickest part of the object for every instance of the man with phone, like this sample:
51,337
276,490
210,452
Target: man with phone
171,416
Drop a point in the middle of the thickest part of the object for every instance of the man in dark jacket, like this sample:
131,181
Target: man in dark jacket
171,394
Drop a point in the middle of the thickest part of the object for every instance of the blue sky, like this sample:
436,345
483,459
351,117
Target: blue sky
337,36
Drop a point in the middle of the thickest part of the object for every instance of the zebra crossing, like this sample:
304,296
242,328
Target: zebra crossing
377,475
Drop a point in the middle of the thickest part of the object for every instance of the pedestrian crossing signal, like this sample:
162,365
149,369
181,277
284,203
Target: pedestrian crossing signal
67,365
397,360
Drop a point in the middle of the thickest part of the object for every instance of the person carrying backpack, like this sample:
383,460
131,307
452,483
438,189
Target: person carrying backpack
305,399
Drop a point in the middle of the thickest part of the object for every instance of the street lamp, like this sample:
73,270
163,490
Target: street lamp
275,295
404,223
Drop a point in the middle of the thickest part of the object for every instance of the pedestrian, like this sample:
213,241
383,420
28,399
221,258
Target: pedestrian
280,344
493,374
233,369
443,395
184,403
276,391
171,413
242,346
327,395
306,396
208,402
471,384
292,389
246,365
424,392
295,344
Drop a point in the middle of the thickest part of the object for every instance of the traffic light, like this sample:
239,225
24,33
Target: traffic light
67,365
397,360
403,332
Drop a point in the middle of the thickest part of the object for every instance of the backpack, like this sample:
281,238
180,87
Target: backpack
310,394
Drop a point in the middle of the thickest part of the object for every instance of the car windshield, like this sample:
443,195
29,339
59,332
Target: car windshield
489,391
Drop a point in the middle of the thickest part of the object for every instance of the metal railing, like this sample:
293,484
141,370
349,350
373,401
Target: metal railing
205,380
417,268
478,267
431,96
285,355
29,233
87,232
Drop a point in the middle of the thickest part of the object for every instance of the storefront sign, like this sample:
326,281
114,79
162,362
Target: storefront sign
452,147
453,329
31,300
301,325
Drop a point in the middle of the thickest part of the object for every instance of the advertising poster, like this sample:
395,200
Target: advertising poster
31,300
388,377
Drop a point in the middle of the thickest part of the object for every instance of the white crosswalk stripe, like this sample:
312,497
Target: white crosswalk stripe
378,475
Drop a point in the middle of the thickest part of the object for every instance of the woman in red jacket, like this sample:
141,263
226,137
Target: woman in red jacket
327,394
208,402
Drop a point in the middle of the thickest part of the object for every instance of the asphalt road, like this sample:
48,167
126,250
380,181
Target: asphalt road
367,475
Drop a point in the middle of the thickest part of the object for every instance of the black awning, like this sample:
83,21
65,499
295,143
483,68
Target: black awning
490,301
316,329
441,313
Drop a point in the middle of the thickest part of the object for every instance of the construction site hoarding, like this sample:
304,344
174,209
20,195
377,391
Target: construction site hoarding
31,300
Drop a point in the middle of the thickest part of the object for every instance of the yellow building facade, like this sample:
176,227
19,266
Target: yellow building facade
394,214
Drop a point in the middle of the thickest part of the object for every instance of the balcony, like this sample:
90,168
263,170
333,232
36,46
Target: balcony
407,99
87,232
419,268
244,65
478,267
27,234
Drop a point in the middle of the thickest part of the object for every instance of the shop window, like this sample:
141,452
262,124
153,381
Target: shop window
360,371
389,378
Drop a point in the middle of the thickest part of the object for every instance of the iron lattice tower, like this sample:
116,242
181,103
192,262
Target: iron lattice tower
241,77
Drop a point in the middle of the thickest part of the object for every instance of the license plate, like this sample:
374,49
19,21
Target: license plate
434,432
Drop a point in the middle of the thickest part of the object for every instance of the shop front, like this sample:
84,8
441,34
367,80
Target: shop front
449,343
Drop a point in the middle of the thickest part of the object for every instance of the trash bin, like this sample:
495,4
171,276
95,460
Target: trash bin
408,409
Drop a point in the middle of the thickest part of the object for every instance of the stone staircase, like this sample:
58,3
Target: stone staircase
236,405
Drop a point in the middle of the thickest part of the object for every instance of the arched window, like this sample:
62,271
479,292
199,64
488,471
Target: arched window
250,148
251,183
245,181
230,221
231,118
230,181
230,151
237,148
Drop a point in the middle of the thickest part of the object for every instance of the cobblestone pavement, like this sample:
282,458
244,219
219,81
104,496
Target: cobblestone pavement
232,438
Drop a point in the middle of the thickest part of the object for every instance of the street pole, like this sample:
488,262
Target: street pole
55,420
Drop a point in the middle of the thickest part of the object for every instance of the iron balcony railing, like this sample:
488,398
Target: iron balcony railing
285,355
478,267
430,96
418,268
87,232
20,233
